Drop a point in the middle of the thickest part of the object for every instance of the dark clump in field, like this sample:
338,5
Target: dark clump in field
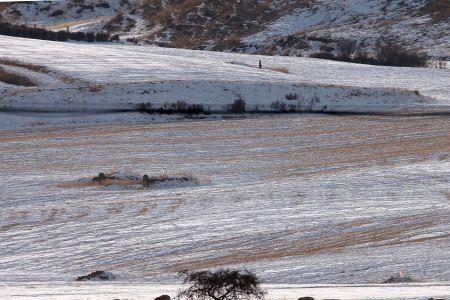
97,275
399,278
124,180
179,107
163,297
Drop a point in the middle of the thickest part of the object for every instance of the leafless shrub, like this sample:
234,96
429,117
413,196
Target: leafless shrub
279,106
323,55
179,107
389,54
221,285
292,96
238,106
346,48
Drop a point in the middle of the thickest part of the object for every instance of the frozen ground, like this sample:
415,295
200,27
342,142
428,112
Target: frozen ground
108,291
303,199
117,77
299,199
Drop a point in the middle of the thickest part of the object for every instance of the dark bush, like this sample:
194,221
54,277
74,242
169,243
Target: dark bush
362,57
386,54
56,13
132,40
221,285
238,106
291,96
52,36
103,5
323,55
42,34
180,107
102,37
279,106
115,37
345,49
77,36
62,36
396,55
325,40
90,37
85,7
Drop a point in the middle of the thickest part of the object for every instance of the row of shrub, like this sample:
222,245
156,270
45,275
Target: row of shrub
238,106
179,107
61,36
385,54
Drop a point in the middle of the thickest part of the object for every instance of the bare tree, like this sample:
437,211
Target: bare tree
221,285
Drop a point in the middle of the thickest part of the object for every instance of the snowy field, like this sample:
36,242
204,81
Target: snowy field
108,291
108,77
304,199
341,200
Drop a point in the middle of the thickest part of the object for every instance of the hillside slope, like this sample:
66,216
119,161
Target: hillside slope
278,27
92,77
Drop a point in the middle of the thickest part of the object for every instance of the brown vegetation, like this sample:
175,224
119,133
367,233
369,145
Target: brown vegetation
238,106
28,66
15,79
94,88
388,53
280,69
193,24
439,10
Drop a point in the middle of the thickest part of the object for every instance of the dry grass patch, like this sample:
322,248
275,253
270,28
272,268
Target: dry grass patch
95,88
4,6
14,79
439,10
284,70
28,66
40,69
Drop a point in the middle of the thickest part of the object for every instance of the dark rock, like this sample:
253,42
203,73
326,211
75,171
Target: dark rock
163,297
305,298
97,275
99,178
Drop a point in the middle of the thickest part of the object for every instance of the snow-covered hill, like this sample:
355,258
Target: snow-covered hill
422,25
280,27
311,198
87,77
86,16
